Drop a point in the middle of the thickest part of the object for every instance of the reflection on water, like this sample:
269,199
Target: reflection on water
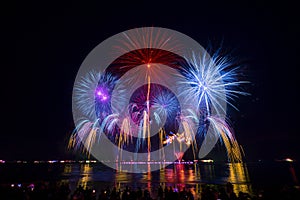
238,174
86,171
192,176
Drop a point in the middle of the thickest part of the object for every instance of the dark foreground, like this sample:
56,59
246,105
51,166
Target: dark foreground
201,181
53,191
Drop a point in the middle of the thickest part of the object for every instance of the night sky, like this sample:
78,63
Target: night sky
51,41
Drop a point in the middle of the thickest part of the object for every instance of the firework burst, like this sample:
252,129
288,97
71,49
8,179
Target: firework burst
210,82
206,85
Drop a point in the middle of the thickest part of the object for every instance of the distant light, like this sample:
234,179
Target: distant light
2,161
62,161
207,161
99,93
289,160
148,65
12,185
52,161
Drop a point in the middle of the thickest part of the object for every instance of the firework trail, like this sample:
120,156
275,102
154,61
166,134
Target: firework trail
227,137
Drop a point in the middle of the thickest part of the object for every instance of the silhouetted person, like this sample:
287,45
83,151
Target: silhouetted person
222,194
147,195
113,194
160,193
190,195
126,193
139,193
230,192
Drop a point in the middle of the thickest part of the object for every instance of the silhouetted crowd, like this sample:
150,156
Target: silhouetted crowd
221,192
52,191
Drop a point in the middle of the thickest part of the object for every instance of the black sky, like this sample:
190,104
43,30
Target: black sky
51,41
